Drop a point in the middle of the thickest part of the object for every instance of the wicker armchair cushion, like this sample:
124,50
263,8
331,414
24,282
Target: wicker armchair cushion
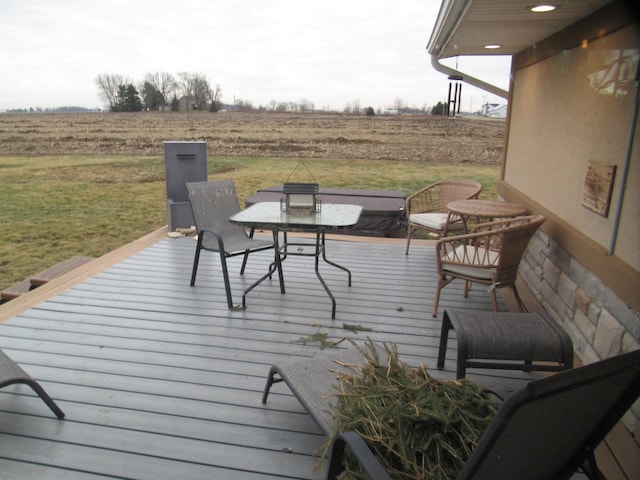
484,258
437,221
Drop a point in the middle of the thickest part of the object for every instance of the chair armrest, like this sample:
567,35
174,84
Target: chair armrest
214,233
421,201
360,450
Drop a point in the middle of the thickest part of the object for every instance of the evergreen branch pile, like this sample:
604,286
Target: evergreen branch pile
418,427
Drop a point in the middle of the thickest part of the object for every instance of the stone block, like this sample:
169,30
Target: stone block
585,325
607,340
551,273
582,301
567,291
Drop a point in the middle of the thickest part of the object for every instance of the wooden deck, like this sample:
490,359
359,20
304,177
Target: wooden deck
160,380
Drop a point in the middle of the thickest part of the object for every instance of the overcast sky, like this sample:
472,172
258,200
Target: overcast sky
329,52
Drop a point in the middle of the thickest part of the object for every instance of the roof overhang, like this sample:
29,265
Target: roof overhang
468,27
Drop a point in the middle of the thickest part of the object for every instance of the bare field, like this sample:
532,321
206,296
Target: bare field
421,138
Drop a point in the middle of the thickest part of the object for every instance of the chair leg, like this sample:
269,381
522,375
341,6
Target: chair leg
246,254
196,259
227,284
45,398
409,234
444,337
244,262
521,305
494,299
271,379
437,299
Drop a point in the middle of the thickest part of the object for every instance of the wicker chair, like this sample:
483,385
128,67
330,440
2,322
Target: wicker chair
490,255
427,208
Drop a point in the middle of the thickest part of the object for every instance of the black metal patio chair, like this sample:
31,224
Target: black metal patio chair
547,430
212,203
11,373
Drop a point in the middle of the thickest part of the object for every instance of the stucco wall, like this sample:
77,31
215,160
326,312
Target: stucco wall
570,109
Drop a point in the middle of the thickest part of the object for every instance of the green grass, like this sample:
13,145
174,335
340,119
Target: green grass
57,207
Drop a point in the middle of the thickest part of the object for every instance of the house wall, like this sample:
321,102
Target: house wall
572,102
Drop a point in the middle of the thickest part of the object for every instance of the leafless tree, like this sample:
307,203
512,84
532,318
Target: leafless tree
108,84
306,105
165,83
196,89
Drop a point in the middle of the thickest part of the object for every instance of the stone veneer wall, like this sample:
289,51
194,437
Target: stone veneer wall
599,323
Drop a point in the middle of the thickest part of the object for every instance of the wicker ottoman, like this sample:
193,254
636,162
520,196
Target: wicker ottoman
512,341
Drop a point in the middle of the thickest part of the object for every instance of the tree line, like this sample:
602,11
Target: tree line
193,91
159,90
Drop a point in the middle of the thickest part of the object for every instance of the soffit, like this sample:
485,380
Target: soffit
464,27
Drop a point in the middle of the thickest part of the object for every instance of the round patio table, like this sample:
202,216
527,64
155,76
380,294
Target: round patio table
489,209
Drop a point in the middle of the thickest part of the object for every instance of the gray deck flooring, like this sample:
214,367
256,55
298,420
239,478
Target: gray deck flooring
159,380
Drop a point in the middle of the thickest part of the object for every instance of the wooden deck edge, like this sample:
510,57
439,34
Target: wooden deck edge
29,300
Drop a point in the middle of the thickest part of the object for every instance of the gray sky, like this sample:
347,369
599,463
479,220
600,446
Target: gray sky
328,52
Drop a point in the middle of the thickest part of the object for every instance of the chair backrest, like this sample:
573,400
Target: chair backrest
549,428
511,238
212,203
452,190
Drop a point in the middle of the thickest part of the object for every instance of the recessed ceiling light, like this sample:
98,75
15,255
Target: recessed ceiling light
543,8
492,46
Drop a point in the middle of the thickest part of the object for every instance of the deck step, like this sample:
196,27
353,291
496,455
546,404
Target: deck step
43,277
14,291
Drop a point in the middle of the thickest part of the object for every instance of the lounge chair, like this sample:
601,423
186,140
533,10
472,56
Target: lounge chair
11,373
547,430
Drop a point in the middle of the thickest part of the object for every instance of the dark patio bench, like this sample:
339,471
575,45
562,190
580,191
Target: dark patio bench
510,341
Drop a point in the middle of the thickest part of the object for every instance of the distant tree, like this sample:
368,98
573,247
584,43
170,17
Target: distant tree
175,104
370,111
108,85
306,105
216,96
399,105
152,98
196,90
438,109
164,84
128,99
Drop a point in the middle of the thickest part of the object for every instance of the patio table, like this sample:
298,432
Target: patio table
269,216
490,209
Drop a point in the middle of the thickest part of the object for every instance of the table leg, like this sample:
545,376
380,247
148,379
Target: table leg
320,247
324,257
275,266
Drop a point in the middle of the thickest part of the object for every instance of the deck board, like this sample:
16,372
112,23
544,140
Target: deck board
160,380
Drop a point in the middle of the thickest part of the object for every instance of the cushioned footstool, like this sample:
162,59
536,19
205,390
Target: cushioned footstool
511,341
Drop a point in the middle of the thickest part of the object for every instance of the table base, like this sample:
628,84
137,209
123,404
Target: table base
284,251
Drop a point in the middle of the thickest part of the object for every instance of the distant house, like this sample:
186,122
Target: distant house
494,110
571,153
